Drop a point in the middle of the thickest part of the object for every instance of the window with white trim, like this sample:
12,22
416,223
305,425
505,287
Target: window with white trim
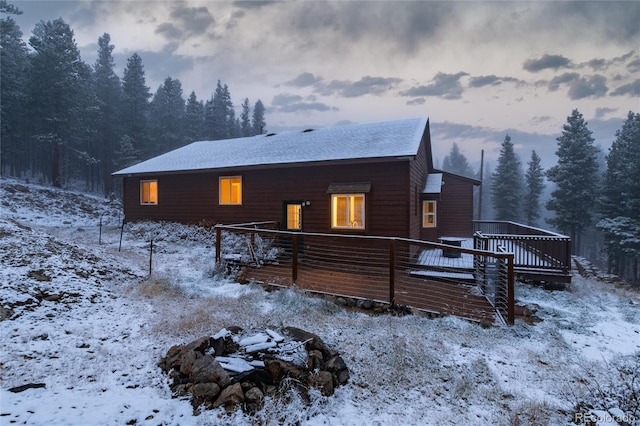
149,192
347,211
429,214
230,190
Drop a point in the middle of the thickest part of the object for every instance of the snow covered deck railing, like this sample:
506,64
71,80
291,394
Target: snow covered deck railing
539,254
393,271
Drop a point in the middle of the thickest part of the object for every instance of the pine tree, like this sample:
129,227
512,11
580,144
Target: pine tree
57,85
576,179
218,114
135,106
258,125
620,200
506,184
13,96
9,8
167,116
108,96
194,119
126,154
456,162
245,123
487,212
534,180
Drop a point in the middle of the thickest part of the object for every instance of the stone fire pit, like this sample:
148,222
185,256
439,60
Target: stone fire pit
237,369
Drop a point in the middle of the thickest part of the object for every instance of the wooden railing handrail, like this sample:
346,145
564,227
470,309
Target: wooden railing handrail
536,231
429,244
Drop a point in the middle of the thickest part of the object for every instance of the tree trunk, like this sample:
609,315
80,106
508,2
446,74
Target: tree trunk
55,166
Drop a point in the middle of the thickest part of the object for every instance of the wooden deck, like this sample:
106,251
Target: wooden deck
539,254
434,296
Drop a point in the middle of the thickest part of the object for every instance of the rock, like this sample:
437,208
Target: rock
315,360
52,297
188,358
23,388
279,369
253,394
364,304
312,340
323,380
257,375
21,188
39,275
253,399
338,368
173,359
200,345
204,392
181,390
230,397
206,369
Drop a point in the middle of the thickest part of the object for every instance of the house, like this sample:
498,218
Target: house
364,179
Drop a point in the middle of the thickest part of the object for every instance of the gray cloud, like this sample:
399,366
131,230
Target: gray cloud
192,20
601,112
485,80
287,103
416,101
445,86
597,64
253,4
404,26
631,89
285,99
565,78
169,30
634,66
585,87
541,119
491,80
598,20
303,80
546,61
367,85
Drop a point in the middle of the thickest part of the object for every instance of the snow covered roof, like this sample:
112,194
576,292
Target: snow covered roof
397,138
433,184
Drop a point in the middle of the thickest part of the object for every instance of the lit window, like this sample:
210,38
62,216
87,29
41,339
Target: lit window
149,192
231,190
294,217
347,211
429,214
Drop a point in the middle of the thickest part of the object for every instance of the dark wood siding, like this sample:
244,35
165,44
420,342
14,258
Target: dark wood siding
193,197
455,209
418,177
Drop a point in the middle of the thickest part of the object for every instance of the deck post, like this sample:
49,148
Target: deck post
511,297
294,258
392,270
218,244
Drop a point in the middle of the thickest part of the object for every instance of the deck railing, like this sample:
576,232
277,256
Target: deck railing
395,271
534,249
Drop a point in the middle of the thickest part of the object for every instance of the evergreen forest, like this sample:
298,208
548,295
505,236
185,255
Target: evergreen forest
64,120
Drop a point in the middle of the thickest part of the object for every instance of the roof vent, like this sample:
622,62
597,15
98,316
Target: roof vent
270,134
308,130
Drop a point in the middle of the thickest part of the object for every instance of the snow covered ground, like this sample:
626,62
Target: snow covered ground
88,322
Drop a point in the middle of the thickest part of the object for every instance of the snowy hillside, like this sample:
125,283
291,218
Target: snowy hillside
86,325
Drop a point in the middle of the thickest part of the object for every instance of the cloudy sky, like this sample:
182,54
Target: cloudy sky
478,69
